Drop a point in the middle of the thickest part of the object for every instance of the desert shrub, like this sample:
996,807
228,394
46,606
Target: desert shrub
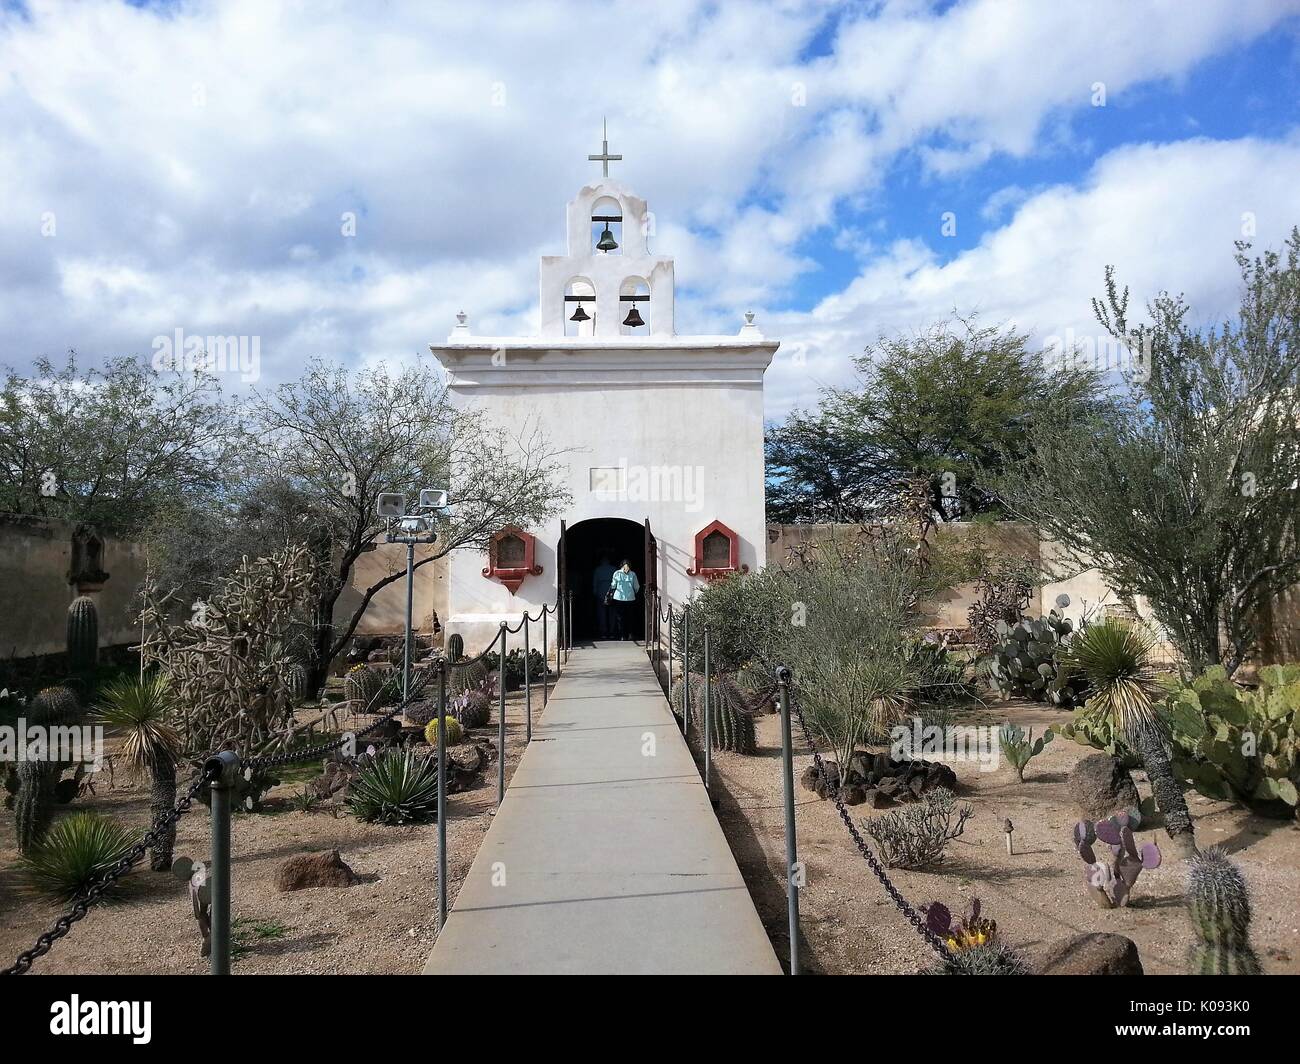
395,787
515,667
744,614
1029,659
915,836
75,853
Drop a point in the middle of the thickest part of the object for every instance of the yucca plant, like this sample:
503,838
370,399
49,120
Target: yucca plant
75,853
1116,658
395,787
142,711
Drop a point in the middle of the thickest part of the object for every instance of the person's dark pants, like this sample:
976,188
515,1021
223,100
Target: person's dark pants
623,619
604,620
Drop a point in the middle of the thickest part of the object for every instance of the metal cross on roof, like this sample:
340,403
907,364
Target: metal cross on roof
604,158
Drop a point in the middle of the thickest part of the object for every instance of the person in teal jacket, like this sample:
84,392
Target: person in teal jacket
626,586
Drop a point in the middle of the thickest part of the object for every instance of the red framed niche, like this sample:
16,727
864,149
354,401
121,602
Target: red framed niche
511,554
717,553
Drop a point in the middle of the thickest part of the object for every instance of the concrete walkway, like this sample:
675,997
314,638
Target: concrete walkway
613,861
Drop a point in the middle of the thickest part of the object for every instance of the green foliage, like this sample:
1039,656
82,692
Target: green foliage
82,634
471,677
745,615
76,853
395,787
1089,727
1219,905
144,713
1018,748
1028,662
537,667
1185,492
950,404
455,733
1240,745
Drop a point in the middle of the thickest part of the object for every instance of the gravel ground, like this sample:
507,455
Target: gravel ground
385,924
851,926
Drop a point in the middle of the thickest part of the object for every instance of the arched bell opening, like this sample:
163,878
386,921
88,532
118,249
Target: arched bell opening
607,226
634,307
580,308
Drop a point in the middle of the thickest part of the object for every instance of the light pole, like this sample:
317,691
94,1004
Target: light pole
412,528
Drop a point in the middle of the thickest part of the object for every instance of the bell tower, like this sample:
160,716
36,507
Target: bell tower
609,285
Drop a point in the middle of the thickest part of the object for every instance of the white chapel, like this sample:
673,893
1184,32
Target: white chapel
662,434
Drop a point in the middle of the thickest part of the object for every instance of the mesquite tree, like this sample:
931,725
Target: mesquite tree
1186,494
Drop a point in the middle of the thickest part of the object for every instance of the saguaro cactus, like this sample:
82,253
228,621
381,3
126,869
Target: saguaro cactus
1219,904
83,634
34,802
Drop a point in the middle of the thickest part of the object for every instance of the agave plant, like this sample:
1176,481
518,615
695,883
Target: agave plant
143,711
396,787
75,853
1116,658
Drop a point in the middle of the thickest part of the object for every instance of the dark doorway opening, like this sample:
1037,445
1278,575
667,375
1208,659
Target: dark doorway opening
589,545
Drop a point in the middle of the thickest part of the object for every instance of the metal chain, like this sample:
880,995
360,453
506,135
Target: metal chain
904,906
81,907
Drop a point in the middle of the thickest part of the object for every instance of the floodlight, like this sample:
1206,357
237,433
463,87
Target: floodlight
391,504
413,524
433,499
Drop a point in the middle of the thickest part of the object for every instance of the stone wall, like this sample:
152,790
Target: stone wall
35,559
36,555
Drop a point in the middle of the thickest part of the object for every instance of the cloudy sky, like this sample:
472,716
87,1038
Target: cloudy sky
844,170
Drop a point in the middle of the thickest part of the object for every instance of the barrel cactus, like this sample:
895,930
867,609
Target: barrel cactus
455,647
992,958
54,706
295,680
464,678
364,686
1219,904
454,731
34,802
83,634
472,708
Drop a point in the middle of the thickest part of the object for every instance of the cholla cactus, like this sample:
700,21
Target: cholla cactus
1112,884
1219,904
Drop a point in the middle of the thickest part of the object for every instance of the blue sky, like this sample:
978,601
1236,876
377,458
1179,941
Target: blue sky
187,165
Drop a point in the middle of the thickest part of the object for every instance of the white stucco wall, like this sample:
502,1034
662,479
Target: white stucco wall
682,420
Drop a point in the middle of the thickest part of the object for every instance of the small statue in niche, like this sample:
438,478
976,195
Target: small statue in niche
87,570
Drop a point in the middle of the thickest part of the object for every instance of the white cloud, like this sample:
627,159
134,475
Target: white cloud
1165,215
197,160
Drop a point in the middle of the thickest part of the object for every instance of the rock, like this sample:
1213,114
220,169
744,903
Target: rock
809,778
326,869
1099,785
916,785
852,794
859,767
875,799
1097,953
890,786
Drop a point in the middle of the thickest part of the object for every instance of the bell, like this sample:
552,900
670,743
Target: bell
606,241
579,315
633,317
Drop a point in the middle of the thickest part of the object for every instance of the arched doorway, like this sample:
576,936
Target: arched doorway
588,545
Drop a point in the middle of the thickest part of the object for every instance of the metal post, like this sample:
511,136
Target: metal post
528,687
670,654
686,670
708,715
568,628
501,721
224,768
791,855
442,794
410,597
546,660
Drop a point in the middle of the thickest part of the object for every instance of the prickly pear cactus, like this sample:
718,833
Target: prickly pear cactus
83,634
364,685
1026,662
1240,745
1111,883
1219,904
